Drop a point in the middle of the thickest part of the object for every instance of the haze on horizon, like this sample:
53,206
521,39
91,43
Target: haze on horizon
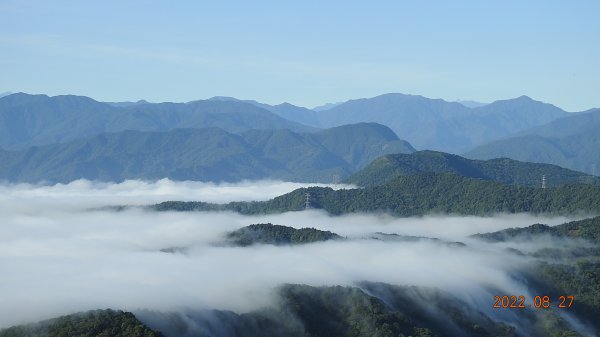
306,53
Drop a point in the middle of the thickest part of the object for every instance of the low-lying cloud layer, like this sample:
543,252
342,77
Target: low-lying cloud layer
135,192
57,256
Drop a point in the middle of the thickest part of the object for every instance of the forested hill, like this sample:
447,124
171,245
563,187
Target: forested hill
369,309
588,229
418,195
502,170
98,323
267,233
209,154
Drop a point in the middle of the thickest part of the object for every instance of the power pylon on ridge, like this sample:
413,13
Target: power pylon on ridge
544,181
307,200
335,179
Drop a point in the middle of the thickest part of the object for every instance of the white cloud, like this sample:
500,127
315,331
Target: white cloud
58,257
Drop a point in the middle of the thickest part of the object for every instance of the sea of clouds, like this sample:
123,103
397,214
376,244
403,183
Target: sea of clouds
60,252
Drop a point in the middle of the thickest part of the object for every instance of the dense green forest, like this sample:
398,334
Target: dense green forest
563,269
503,170
588,229
418,195
580,279
367,310
98,323
207,154
278,235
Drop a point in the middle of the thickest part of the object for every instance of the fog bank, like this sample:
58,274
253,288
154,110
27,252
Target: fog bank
58,257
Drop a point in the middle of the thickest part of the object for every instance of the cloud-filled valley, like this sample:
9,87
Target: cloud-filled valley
61,253
273,170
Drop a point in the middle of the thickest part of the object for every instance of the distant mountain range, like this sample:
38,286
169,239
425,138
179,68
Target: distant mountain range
209,154
471,104
520,128
435,124
428,123
126,104
27,120
326,106
572,142
284,110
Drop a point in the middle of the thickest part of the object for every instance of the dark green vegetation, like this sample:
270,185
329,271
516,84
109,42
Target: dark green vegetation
205,154
580,279
504,170
439,125
571,142
371,310
99,323
421,194
339,311
278,235
588,229
564,269
393,237
27,120
382,310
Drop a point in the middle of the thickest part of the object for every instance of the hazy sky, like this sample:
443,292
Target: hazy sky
303,52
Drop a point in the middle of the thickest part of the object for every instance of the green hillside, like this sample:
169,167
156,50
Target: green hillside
209,154
588,229
502,170
366,310
421,194
99,323
277,235
565,269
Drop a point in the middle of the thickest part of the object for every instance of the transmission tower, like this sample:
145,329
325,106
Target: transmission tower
336,179
544,181
307,200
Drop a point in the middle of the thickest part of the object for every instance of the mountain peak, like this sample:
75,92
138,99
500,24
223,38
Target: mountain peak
286,104
525,98
222,98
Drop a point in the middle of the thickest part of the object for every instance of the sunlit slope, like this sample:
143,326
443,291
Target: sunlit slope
209,154
502,170
422,194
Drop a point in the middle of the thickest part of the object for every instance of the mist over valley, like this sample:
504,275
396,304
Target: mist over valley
71,255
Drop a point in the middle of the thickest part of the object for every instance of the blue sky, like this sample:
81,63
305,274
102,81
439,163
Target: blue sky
303,52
